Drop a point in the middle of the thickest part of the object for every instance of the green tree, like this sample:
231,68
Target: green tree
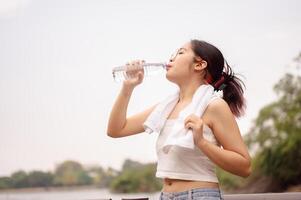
40,179
71,173
101,177
227,180
130,164
136,177
276,134
19,179
273,140
5,182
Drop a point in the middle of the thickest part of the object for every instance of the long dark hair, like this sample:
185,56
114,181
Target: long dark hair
220,75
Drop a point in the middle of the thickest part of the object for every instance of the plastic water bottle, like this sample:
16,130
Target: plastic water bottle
119,73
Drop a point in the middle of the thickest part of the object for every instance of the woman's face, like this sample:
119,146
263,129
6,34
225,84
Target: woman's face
180,66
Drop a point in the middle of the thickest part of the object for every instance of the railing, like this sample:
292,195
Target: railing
265,196
261,196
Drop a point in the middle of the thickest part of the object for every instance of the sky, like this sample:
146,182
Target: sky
56,57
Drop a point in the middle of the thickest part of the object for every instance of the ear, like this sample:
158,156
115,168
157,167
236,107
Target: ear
201,65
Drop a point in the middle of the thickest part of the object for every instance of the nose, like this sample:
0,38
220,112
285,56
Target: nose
172,58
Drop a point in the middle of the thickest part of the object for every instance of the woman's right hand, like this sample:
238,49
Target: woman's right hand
134,73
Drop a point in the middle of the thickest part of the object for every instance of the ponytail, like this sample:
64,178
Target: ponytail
220,75
232,88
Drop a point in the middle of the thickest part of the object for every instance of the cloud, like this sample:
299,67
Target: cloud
11,8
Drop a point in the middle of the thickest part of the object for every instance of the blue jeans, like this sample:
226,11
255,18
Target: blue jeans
193,194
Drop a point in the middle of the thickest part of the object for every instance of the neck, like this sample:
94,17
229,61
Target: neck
188,89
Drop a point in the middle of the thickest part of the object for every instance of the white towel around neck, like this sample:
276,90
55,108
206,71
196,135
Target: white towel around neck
179,135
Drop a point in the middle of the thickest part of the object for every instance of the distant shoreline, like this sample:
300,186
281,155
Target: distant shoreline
50,189
295,188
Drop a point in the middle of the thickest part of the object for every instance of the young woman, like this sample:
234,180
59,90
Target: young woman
196,63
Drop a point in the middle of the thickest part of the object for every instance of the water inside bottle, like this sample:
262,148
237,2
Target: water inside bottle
119,73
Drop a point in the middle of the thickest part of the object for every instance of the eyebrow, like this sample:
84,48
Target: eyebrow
182,48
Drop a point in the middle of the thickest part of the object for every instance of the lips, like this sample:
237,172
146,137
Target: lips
168,66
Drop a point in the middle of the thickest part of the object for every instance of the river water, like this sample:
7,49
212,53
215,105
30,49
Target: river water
80,194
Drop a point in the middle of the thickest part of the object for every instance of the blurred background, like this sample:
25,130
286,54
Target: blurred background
57,89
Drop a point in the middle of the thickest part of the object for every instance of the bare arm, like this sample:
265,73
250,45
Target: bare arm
119,125
234,156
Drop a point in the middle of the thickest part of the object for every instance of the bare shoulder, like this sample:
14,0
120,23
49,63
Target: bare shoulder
218,105
217,110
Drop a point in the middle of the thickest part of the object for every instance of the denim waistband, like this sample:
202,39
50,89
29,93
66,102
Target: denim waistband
193,193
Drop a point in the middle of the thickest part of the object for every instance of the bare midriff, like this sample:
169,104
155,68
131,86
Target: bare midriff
177,185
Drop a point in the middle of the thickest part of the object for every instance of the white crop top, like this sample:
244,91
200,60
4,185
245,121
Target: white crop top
183,163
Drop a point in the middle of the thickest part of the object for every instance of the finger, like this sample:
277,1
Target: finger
137,65
141,63
194,123
189,119
140,76
189,125
128,70
193,117
132,66
129,66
